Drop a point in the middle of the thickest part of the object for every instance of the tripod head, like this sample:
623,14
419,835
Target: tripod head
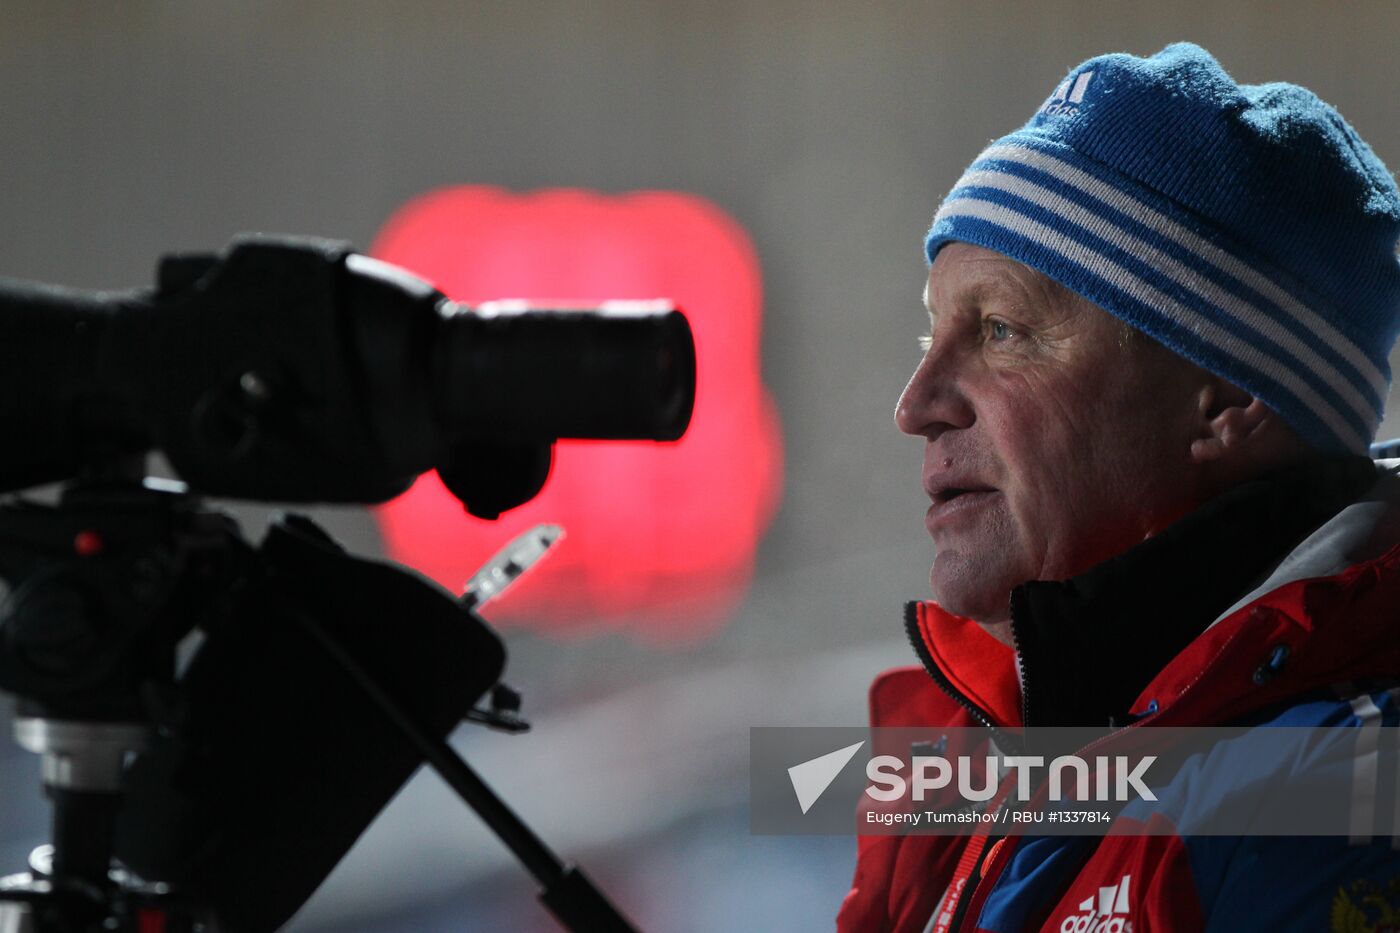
104,586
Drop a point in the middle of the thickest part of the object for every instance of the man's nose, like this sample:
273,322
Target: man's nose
933,401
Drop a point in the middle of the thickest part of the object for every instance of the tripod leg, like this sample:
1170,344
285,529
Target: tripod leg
567,893
83,826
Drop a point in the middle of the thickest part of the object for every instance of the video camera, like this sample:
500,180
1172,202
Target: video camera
215,790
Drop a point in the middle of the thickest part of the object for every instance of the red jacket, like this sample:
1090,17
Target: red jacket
1334,604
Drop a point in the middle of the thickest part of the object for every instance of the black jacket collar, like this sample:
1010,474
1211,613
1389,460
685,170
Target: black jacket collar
1089,646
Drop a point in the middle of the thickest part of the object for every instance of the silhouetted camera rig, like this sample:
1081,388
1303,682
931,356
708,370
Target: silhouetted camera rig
219,720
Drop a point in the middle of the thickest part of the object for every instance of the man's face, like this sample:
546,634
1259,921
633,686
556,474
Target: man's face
1051,441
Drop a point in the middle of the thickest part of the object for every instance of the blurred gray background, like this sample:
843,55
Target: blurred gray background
829,131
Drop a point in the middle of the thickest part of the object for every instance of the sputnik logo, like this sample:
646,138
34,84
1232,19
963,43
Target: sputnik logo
811,778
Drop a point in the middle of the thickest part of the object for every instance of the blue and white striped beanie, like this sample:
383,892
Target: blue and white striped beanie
1246,227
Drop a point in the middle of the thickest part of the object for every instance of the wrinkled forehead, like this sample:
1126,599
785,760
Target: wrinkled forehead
964,274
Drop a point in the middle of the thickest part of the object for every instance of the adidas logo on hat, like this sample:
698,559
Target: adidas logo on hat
1067,96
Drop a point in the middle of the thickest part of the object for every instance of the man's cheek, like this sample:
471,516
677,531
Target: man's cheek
1014,530
973,576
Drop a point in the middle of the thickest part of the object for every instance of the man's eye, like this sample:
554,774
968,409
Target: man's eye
999,331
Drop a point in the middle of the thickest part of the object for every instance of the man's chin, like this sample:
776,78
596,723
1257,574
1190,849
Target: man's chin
959,590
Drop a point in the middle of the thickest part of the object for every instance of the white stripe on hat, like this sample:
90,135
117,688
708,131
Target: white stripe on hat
1128,282
1181,274
1200,247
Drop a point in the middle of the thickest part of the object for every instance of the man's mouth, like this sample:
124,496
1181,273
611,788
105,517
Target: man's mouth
948,492
951,502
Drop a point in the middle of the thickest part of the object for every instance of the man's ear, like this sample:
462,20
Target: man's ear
1228,421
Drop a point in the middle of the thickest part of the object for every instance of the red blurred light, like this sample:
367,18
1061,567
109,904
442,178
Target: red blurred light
659,535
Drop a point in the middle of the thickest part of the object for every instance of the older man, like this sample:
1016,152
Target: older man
1160,319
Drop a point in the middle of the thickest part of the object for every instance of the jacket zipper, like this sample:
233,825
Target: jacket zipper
1000,736
1020,668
